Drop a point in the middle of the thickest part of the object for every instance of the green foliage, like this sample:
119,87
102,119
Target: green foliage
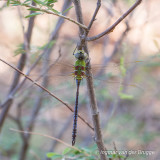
25,2
47,45
19,50
9,141
8,2
14,2
156,44
53,155
67,9
39,2
33,9
49,4
129,2
33,14
115,156
122,68
80,154
124,95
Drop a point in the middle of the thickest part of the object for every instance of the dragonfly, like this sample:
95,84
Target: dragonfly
78,72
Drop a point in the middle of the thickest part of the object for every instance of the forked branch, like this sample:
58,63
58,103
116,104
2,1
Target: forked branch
51,12
112,27
93,106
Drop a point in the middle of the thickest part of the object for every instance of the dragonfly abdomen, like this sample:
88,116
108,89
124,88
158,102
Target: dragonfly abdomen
75,114
79,74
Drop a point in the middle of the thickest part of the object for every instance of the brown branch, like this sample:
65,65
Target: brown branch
8,102
115,148
115,49
38,103
59,15
94,108
112,27
35,112
51,94
95,14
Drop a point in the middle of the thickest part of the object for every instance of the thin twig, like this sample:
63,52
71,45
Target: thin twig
95,14
44,135
37,84
41,75
39,99
59,15
35,111
115,148
15,84
112,27
60,134
54,34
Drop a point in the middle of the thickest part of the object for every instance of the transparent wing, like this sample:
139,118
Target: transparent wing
108,79
59,77
113,68
116,79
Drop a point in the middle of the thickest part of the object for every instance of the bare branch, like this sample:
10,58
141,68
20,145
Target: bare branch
94,108
59,15
115,148
94,15
112,27
44,135
8,102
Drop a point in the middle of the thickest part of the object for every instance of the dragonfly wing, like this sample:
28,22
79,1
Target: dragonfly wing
113,78
112,68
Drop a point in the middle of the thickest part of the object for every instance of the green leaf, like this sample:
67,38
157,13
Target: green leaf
51,43
125,96
48,45
27,1
66,150
88,150
55,11
33,9
156,44
122,68
33,14
15,2
110,156
39,2
53,155
67,9
8,2
19,50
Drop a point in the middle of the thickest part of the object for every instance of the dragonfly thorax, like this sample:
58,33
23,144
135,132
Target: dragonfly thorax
80,65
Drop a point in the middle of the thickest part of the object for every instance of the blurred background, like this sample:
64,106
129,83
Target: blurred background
129,113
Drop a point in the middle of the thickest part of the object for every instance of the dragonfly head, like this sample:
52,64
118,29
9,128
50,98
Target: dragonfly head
80,55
